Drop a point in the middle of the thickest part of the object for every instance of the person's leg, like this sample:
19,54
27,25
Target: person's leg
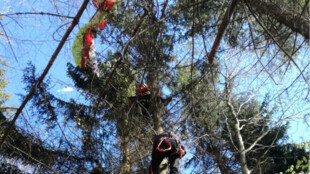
174,164
173,156
157,157
147,101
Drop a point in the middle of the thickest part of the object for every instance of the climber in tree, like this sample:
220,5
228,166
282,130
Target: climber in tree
144,95
142,89
166,145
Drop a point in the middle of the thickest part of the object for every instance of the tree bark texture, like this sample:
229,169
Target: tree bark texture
125,167
221,30
240,143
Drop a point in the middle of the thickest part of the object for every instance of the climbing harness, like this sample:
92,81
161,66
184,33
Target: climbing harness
162,150
165,147
83,49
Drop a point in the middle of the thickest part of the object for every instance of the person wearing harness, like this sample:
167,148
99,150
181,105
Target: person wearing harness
142,89
143,96
166,145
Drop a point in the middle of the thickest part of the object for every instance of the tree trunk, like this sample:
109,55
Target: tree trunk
295,21
158,126
240,142
236,128
124,134
156,107
156,113
217,153
126,169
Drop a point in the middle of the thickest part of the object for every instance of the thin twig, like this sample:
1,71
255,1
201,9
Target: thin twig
8,108
276,42
37,13
254,46
7,37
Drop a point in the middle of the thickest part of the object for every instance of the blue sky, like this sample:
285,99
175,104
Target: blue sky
32,40
35,38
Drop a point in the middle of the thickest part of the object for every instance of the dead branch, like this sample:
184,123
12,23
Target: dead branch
37,13
221,30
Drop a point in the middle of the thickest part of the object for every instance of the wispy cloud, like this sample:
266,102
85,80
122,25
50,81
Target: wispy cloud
66,89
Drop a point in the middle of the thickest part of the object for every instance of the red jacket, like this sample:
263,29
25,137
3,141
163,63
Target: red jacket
143,90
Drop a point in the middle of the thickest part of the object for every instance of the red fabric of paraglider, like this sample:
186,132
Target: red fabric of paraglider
88,38
88,41
107,5
102,24
143,90
88,52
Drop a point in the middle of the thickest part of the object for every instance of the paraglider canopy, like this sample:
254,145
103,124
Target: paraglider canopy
83,48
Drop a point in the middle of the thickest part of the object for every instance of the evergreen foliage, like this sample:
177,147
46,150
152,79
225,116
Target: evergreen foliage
164,44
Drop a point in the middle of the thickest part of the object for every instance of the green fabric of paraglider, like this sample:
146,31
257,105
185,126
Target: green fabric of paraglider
78,43
83,48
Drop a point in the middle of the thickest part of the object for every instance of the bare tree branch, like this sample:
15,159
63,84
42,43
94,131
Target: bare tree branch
295,21
7,37
49,65
242,151
8,108
285,52
38,13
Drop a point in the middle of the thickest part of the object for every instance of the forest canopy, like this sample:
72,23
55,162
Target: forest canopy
234,75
